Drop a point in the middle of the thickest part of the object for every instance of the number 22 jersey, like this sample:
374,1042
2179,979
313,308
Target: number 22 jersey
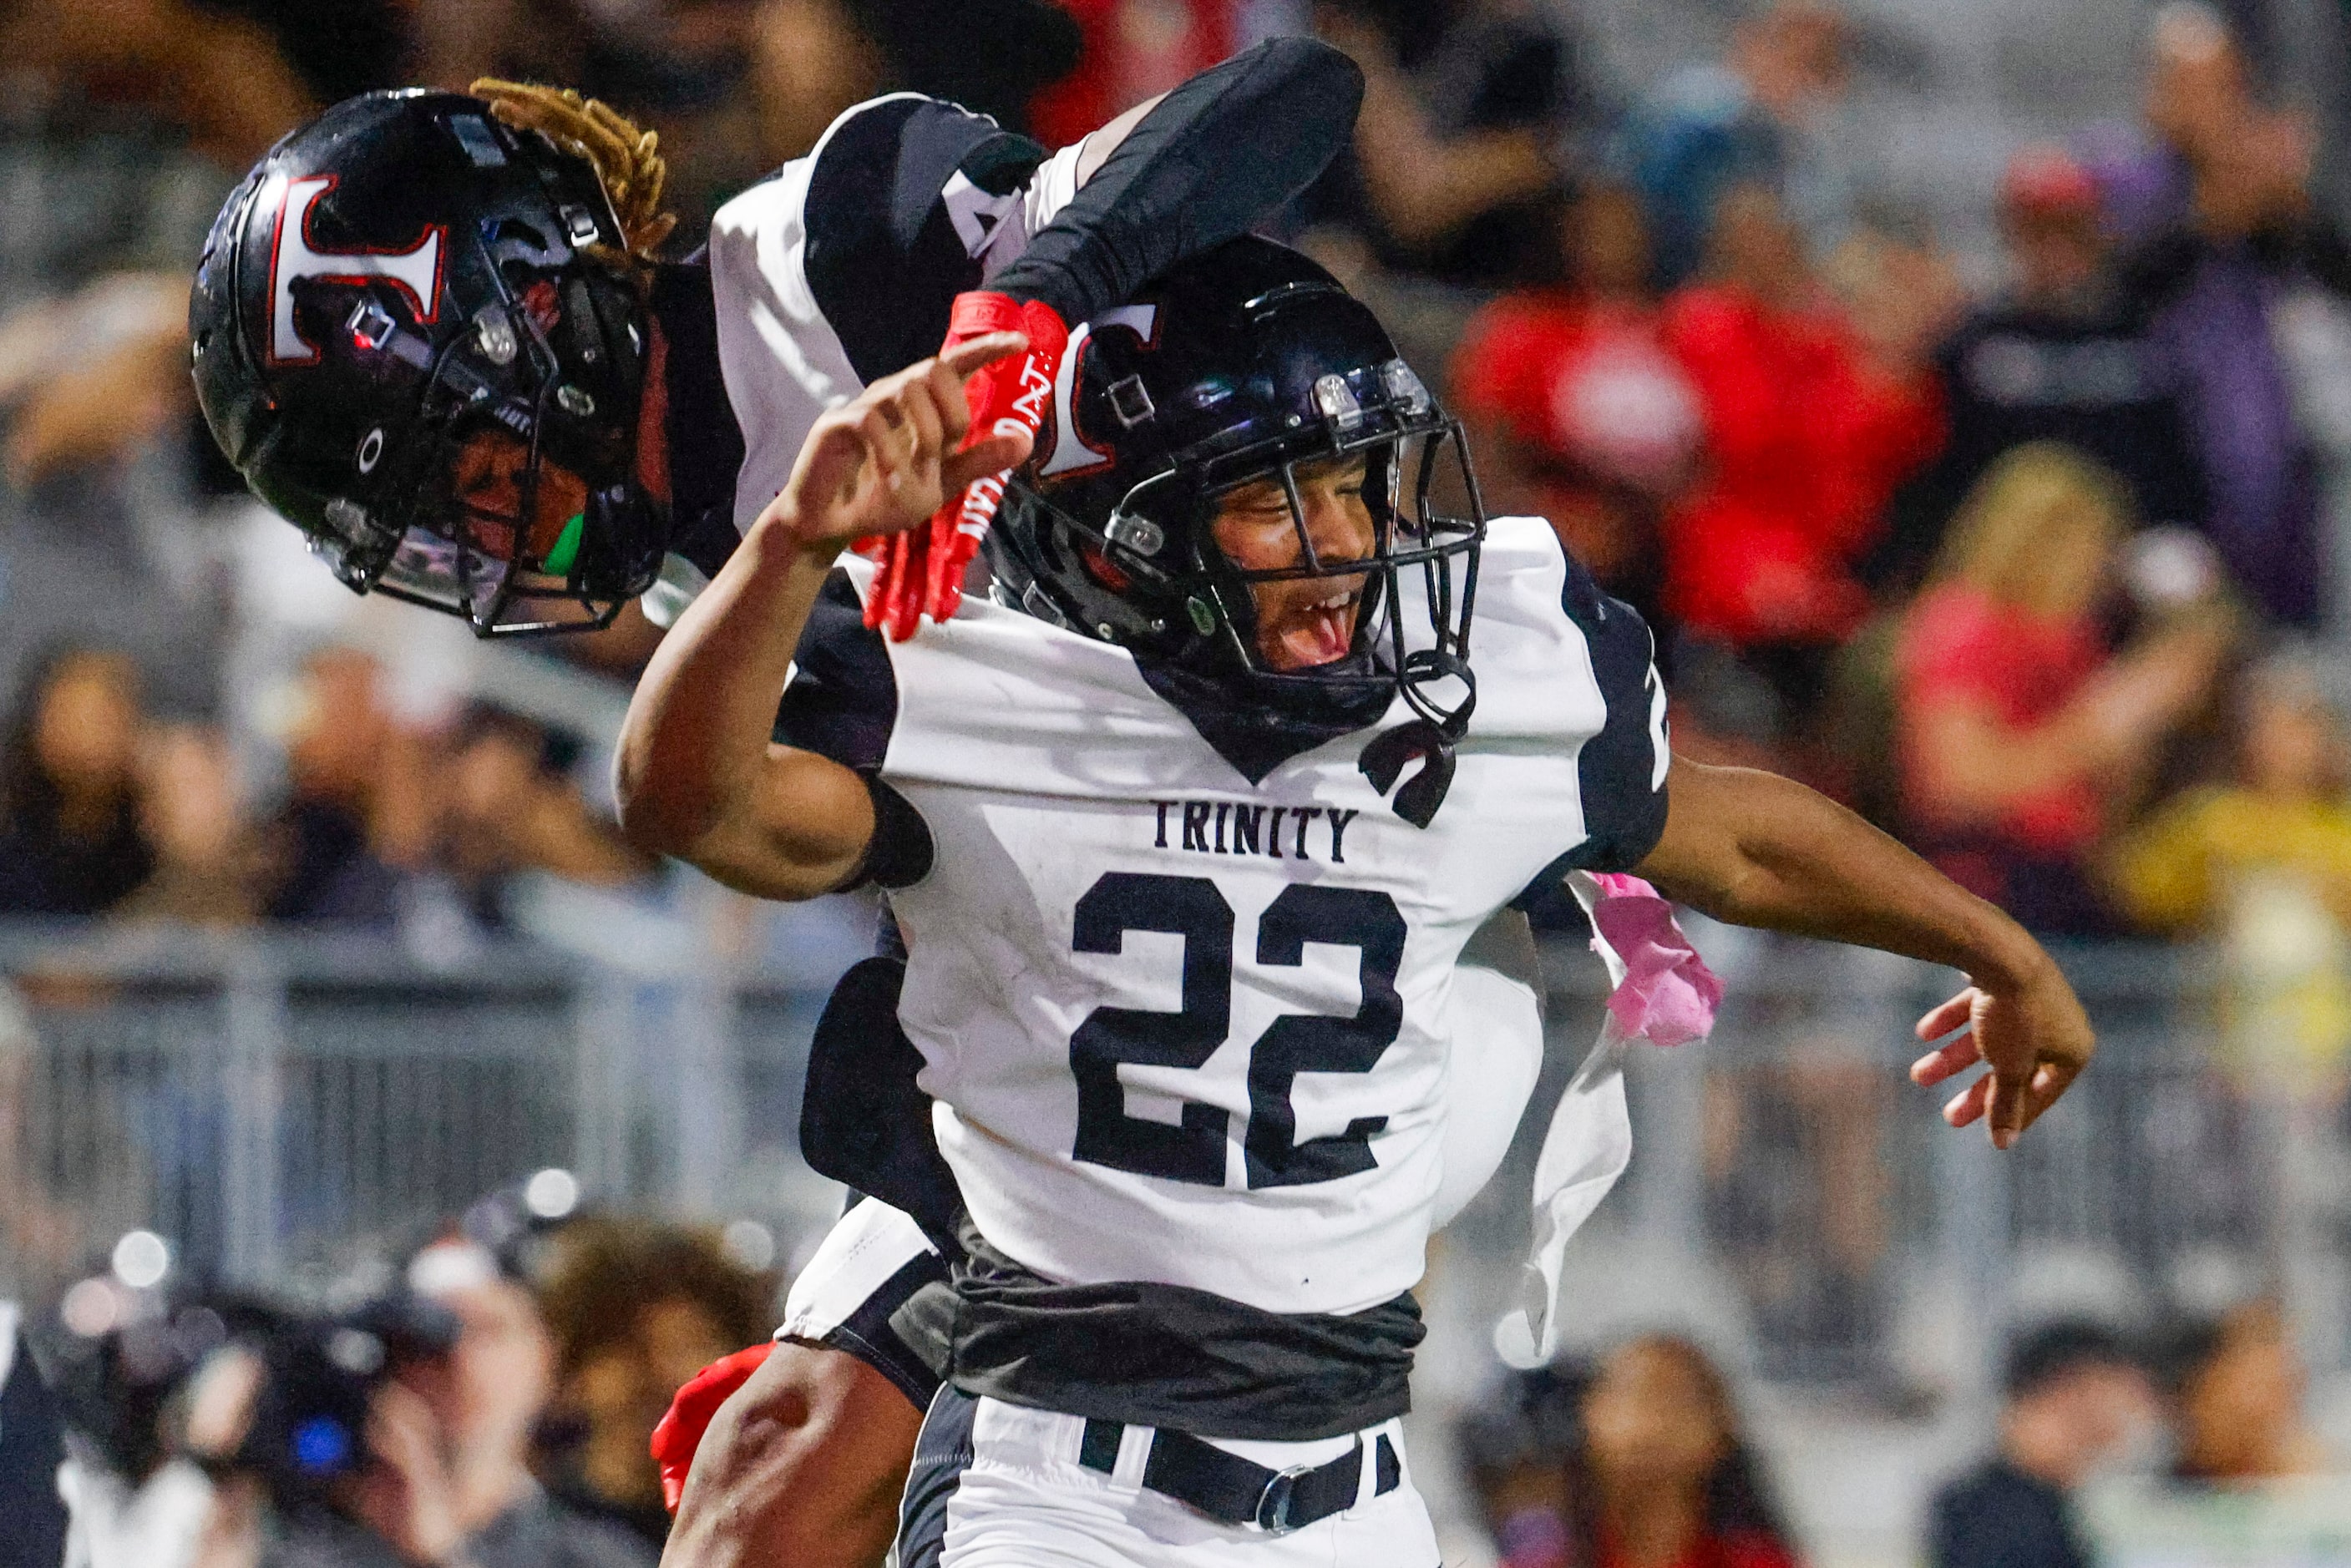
1184,1027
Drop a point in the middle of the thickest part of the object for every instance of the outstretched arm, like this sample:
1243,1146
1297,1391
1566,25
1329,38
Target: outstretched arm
697,776
1756,849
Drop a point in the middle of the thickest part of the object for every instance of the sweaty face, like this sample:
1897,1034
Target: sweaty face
1301,622
486,478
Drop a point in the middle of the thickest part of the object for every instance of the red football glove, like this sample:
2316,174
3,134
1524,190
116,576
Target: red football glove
680,1432
923,568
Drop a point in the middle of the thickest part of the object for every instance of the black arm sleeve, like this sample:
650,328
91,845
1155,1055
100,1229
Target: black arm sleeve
1217,155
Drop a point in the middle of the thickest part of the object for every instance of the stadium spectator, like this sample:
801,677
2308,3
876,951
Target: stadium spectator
485,1400
2215,201
637,1309
2075,1394
1455,172
511,808
2019,734
1666,1476
2236,1389
357,816
1807,432
208,860
2282,813
2262,862
1515,1446
1756,119
1637,1462
1577,411
71,837
1132,50
813,59
2062,355
217,77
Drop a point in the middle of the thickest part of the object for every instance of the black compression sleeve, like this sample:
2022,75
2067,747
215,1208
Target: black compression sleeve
1217,155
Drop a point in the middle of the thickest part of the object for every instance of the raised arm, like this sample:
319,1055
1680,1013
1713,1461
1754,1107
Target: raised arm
1757,849
697,775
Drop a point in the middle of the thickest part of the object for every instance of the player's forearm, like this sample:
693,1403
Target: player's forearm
802,1466
1756,849
1205,163
695,744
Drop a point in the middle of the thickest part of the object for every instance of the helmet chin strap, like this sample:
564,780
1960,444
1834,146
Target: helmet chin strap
1430,736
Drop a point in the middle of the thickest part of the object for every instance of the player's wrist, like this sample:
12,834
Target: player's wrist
783,540
2011,962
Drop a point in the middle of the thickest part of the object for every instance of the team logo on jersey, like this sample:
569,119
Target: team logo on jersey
1071,455
293,258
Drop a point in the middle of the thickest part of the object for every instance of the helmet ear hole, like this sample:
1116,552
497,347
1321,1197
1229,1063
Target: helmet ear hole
1103,570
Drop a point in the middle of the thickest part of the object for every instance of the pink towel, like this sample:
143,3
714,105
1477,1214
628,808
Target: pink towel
1668,996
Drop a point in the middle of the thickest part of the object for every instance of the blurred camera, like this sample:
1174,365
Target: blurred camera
316,1377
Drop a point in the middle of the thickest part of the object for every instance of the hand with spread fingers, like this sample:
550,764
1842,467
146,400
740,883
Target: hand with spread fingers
2034,1038
886,463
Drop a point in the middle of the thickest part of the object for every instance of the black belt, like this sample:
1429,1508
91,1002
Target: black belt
1228,1488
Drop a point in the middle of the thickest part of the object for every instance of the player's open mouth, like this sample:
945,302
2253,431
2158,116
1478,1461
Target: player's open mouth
1320,632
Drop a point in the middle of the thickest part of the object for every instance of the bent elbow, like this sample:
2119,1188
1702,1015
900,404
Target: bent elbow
659,815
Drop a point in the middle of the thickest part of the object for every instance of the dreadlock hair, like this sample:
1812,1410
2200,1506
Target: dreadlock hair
627,160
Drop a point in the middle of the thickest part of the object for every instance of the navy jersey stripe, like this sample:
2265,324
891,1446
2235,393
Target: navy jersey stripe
1624,800
1616,771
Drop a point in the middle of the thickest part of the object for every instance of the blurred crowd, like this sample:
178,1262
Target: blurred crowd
2027,550
488,1397
1639,1457
112,810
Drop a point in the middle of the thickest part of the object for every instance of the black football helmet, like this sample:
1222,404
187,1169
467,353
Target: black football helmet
1234,368
403,342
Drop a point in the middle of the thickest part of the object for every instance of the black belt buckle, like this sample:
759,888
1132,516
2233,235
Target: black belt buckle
1274,1503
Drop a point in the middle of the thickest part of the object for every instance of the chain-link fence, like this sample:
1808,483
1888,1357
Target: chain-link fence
273,1104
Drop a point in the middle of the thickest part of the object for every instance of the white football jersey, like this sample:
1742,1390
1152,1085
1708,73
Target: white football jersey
837,270
1187,1029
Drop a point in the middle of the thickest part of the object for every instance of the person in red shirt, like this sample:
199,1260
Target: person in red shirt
2019,734
1811,418
1651,1471
1579,412
1133,50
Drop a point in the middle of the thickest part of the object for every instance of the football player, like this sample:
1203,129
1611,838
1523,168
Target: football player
429,329
1186,827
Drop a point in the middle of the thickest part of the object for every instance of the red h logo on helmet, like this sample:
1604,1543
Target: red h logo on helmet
415,272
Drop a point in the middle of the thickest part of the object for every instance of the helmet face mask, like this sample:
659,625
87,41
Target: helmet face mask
1258,374
441,315
1423,556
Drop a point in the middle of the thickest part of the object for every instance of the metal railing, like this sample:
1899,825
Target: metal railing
272,1103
